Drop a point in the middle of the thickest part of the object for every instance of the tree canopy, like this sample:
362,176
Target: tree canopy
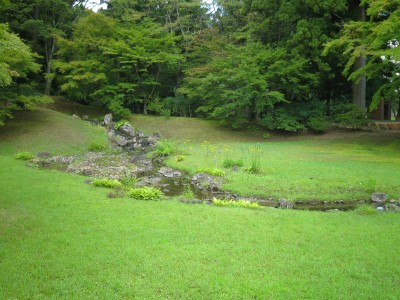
287,64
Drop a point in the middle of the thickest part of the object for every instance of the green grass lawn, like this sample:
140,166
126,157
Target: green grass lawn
337,166
61,238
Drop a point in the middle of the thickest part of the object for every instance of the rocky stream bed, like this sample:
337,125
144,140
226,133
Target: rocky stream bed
129,162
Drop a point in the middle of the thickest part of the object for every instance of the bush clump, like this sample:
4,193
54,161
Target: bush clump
349,114
229,163
25,155
233,203
97,146
108,183
164,148
146,193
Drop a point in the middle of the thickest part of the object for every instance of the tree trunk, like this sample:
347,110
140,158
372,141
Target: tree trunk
360,86
50,48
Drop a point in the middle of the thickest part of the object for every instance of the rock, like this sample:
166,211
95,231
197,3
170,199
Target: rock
108,119
156,135
379,197
127,129
140,134
120,140
169,173
43,154
285,203
75,116
206,182
392,207
85,117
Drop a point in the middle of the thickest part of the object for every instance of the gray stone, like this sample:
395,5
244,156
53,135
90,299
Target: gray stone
120,140
108,119
85,117
127,129
379,197
169,173
43,154
285,203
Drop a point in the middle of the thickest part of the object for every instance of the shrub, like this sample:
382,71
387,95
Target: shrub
129,180
318,124
25,155
233,203
229,163
146,193
349,114
212,171
164,148
108,183
97,146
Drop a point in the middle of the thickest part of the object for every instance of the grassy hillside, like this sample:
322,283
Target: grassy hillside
61,238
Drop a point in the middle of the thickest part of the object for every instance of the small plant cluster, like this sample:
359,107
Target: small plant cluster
164,148
255,160
107,183
96,146
146,193
120,123
25,155
188,193
233,203
229,163
212,171
179,158
365,209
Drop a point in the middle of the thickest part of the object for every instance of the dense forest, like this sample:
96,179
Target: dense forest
285,64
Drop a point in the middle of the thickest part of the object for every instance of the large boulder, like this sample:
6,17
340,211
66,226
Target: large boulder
108,120
379,197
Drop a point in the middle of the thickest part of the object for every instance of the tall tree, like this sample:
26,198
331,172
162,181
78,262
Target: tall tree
377,40
42,21
16,62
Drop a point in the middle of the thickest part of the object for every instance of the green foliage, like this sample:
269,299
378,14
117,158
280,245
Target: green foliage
188,193
16,63
129,180
120,123
318,124
119,64
25,155
146,193
97,146
229,163
164,148
348,114
374,40
234,203
107,183
365,209
255,160
179,158
212,171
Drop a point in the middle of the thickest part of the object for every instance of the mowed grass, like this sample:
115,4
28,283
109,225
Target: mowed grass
61,238
339,165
